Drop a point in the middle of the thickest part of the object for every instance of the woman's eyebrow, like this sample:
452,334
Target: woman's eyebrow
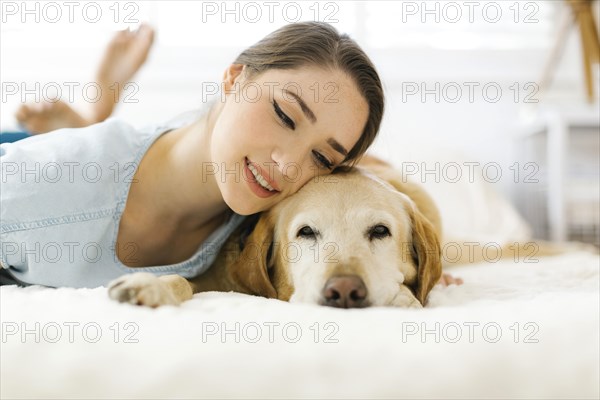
337,146
305,109
311,116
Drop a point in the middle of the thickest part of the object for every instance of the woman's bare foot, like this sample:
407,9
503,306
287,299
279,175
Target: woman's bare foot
448,279
45,117
125,54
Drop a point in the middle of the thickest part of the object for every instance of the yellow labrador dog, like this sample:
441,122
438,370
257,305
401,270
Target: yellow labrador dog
359,237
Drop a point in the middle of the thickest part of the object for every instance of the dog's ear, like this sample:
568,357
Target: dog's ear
250,269
427,253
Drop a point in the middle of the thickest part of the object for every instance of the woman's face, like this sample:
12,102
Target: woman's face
278,130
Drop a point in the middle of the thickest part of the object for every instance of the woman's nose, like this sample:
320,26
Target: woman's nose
289,163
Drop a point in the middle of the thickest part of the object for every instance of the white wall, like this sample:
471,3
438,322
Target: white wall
171,81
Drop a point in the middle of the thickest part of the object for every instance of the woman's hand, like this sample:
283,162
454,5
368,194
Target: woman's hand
448,279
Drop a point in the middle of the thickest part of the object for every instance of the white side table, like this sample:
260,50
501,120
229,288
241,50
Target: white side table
565,144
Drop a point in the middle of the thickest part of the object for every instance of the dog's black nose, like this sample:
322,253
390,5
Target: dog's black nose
345,291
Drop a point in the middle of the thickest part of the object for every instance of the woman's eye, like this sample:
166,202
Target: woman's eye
379,232
283,117
306,232
322,160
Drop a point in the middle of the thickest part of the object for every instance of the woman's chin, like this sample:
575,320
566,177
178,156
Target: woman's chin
243,207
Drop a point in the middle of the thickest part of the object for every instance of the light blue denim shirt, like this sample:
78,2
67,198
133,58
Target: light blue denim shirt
62,195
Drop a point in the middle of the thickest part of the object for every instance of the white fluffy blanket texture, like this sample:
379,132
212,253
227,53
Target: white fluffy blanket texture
512,330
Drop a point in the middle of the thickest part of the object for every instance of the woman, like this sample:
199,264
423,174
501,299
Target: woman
83,206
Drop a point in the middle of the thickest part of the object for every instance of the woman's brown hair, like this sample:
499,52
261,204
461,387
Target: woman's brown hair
320,44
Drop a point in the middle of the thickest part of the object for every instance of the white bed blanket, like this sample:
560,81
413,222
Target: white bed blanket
513,330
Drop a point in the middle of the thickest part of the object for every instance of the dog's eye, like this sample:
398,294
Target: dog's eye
379,232
306,232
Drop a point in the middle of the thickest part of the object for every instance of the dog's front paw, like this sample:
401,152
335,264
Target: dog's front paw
415,304
405,299
143,289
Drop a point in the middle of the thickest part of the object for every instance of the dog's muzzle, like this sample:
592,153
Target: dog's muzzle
344,291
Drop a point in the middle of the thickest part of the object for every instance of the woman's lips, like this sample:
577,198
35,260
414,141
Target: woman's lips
256,187
264,175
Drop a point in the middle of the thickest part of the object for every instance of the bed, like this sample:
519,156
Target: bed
514,329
